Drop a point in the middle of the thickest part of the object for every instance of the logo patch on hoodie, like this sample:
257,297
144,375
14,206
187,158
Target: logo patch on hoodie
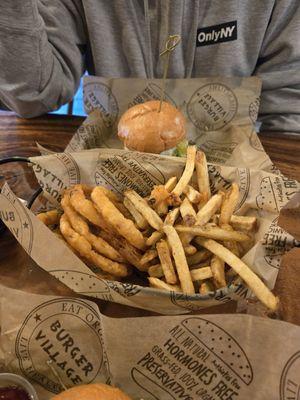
226,32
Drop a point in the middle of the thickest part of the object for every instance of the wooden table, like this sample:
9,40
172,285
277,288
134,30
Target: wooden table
19,137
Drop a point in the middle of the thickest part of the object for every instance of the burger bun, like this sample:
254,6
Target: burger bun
143,128
95,391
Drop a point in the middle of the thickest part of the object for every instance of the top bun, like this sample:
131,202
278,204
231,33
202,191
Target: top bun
143,128
96,391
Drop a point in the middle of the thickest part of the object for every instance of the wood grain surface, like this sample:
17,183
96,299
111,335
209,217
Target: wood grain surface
18,137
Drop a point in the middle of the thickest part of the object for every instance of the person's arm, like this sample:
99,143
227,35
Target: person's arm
279,68
41,54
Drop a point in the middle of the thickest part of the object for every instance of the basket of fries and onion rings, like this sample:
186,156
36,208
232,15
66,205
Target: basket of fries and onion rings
162,233
181,238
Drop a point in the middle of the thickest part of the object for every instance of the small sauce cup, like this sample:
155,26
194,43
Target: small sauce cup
12,380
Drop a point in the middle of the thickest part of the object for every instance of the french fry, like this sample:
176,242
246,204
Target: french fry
180,259
201,255
229,203
205,288
187,212
174,200
218,271
51,217
189,218
231,245
209,209
154,238
215,220
202,174
188,171
156,271
148,256
140,204
169,220
112,216
84,248
213,232
189,249
162,208
200,274
203,201
200,265
159,284
243,223
254,283
192,194
166,262
139,219
159,194
172,216
127,251
171,183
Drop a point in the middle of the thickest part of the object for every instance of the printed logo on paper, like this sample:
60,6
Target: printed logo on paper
276,243
87,136
98,95
217,181
217,152
124,289
290,379
275,192
226,32
197,360
151,92
244,186
212,107
253,109
66,332
16,217
52,185
84,283
255,143
129,170
184,301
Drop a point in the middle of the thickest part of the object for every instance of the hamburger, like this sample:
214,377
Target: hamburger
143,128
95,391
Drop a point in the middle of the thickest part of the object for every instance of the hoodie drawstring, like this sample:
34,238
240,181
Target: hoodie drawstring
191,47
149,66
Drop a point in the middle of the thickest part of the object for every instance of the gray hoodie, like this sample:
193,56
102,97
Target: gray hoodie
46,45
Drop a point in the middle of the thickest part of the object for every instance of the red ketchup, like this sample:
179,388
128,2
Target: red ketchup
13,393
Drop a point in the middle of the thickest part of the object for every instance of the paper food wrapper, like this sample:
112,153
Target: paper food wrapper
220,114
263,191
213,357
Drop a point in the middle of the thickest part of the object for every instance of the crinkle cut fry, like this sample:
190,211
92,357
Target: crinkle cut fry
84,248
113,217
81,227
